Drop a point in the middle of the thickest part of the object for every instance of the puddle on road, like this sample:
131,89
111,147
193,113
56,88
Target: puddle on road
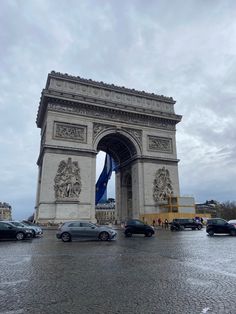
12,283
198,282
16,261
13,312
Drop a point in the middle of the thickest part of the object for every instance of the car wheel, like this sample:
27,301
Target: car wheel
232,232
128,234
104,236
66,237
211,233
20,236
148,234
199,227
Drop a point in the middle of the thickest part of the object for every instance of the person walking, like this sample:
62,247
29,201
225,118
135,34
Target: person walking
166,224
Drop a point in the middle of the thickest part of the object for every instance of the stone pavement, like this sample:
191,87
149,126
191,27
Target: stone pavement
172,272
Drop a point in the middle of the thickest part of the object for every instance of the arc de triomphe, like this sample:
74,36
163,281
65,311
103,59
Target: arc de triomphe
80,117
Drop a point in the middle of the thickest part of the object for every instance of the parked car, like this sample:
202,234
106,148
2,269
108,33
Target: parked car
84,229
219,225
36,230
183,223
135,226
233,222
10,231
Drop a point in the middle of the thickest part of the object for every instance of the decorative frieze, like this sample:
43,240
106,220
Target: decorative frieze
67,180
162,185
71,132
160,144
114,115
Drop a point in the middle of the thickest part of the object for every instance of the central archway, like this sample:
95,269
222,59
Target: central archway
124,151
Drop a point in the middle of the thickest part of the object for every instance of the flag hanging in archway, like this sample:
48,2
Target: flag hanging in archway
104,177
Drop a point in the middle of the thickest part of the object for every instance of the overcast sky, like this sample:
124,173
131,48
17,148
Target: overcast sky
184,49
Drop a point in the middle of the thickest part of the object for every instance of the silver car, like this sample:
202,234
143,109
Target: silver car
84,229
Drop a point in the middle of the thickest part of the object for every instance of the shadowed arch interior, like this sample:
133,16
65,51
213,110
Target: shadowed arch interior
121,149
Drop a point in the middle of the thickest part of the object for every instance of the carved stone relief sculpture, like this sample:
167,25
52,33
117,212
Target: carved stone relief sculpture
160,144
162,185
98,128
67,180
135,133
70,132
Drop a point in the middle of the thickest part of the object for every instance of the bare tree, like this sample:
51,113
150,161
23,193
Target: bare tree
227,210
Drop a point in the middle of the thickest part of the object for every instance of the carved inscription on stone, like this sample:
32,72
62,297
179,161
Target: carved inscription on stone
162,185
160,144
71,132
67,180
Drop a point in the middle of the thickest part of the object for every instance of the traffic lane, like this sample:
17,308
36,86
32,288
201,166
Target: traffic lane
184,272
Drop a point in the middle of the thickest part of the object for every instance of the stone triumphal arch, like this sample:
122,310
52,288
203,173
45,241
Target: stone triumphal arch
80,117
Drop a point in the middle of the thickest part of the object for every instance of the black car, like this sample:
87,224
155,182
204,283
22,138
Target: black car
9,231
135,226
219,225
182,223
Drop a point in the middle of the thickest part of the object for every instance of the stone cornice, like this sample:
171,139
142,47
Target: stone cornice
74,151
111,87
64,150
84,106
112,115
158,160
104,95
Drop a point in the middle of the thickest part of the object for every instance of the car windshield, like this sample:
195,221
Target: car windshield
18,224
135,222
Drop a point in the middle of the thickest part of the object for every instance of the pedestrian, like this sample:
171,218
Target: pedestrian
166,224
159,222
153,222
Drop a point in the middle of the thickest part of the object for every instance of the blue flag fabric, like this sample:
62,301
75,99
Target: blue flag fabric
104,177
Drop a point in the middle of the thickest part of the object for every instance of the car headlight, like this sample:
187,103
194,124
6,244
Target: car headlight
29,230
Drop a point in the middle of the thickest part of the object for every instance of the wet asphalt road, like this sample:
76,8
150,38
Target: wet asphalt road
173,272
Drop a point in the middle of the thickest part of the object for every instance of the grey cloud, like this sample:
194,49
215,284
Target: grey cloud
184,49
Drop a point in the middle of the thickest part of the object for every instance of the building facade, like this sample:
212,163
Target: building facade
5,211
80,117
105,213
